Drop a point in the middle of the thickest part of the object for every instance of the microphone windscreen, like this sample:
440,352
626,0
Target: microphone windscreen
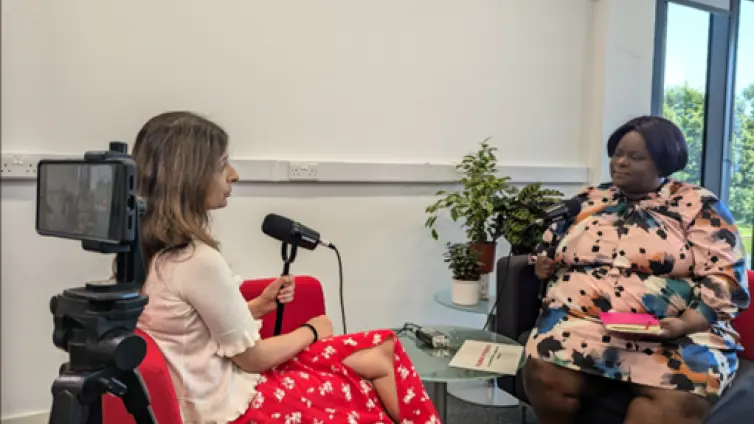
277,227
573,207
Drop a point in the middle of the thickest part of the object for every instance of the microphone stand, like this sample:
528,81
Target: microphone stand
288,252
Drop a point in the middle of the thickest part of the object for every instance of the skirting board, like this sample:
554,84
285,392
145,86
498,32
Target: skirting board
21,166
34,418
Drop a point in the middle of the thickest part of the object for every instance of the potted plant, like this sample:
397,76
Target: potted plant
515,213
475,204
464,265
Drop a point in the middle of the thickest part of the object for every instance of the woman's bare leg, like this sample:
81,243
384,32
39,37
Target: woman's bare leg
655,405
554,392
376,364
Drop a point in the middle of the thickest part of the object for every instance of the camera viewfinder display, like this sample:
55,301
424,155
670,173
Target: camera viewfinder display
75,200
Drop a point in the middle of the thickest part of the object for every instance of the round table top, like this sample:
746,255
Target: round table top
432,364
444,298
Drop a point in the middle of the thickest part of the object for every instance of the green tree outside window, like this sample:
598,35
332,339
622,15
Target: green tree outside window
684,105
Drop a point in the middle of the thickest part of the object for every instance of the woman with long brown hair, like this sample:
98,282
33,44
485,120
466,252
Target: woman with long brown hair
222,370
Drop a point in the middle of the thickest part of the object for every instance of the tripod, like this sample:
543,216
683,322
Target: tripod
95,325
288,252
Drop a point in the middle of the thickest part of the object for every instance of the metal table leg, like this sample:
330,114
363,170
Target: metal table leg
438,392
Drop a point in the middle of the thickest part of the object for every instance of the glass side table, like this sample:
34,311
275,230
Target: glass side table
480,391
432,364
444,298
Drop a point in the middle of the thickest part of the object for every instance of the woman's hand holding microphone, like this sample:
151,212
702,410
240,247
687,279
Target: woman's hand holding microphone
282,289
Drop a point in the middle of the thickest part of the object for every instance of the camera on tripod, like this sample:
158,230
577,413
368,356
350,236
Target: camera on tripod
94,200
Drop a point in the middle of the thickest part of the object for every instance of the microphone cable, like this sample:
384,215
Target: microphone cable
340,288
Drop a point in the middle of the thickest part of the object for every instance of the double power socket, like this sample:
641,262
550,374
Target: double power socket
303,171
18,166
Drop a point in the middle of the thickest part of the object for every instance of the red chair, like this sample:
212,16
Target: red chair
308,303
744,325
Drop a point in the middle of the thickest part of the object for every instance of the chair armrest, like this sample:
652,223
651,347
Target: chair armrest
308,302
735,405
518,288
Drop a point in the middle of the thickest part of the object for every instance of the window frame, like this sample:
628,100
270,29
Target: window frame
720,91
703,5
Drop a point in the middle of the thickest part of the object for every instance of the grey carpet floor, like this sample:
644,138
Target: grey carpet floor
461,412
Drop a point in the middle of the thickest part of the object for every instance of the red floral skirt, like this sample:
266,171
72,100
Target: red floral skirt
315,387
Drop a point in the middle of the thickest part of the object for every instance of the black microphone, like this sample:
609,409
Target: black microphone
565,210
295,235
292,232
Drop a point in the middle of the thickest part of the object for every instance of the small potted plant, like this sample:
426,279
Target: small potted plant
475,203
463,262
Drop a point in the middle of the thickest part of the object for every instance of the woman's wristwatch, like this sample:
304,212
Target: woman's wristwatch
314,330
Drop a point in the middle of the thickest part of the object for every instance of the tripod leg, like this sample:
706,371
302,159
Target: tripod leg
66,409
95,412
136,398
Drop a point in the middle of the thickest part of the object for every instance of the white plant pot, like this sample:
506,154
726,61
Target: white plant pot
466,293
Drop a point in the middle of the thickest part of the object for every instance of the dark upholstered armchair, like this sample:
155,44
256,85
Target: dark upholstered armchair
517,310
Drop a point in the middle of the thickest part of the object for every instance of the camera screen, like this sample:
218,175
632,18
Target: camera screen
75,199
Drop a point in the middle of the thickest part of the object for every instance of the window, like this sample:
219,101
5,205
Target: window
704,82
685,80
740,188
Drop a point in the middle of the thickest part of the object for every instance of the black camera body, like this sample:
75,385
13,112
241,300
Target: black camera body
94,200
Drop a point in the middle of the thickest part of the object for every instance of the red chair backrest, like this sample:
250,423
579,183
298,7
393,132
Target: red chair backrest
308,302
154,371
744,325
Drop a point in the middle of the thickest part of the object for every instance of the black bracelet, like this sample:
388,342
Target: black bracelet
314,330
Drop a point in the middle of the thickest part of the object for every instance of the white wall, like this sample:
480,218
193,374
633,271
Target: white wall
420,81
618,74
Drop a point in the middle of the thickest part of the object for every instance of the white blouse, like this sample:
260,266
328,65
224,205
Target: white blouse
199,319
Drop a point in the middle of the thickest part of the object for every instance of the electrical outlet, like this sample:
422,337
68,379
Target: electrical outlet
303,171
19,166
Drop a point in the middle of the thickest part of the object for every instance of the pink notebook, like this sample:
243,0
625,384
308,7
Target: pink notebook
627,322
